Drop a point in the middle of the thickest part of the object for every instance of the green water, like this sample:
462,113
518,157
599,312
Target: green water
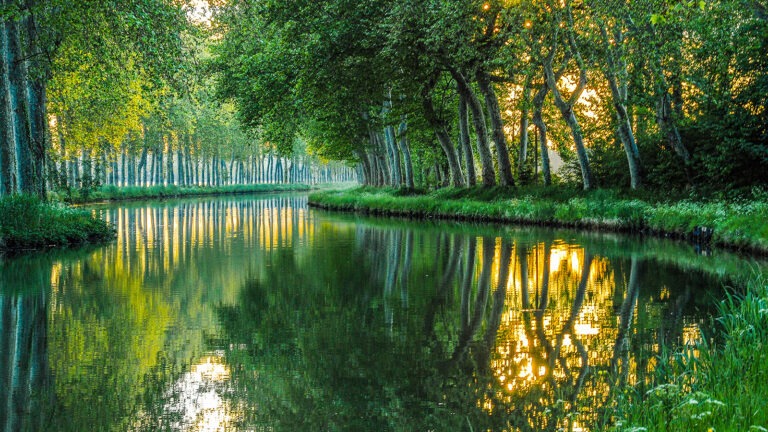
258,313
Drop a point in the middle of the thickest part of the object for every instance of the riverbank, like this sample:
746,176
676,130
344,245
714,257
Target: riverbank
708,387
740,225
115,193
28,223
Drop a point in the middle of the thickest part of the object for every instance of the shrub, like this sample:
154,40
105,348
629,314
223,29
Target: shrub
29,223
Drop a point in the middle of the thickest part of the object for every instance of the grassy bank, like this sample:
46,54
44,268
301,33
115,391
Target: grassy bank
741,225
709,387
28,223
114,193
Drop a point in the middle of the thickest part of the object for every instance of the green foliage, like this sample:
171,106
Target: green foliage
28,223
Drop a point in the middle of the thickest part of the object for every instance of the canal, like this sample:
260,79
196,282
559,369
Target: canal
259,313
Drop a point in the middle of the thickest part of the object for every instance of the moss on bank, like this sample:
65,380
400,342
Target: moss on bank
741,225
28,223
115,193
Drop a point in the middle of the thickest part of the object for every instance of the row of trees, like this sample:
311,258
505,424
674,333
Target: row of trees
79,65
117,92
638,93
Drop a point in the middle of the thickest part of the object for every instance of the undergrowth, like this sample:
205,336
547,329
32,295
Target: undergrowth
708,386
740,224
28,223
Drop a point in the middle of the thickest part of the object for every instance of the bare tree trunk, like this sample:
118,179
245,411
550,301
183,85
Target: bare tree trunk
37,102
438,126
538,120
169,161
616,74
483,147
397,177
7,138
521,169
497,129
466,146
180,166
142,167
406,151
566,107
18,77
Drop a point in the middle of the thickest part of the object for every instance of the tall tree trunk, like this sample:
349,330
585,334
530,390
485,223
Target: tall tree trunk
37,102
497,128
406,151
541,128
143,167
521,169
616,74
367,169
457,179
63,180
18,78
180,164
397,177
169,161
481,130
7,138
466,146
566,110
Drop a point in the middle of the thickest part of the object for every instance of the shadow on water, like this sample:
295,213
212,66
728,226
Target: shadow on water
451,331
259,314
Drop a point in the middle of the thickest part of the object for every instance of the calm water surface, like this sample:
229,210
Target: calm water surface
257,313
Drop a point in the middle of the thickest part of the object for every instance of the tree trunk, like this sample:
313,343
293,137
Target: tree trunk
180,167
466,146
142,167
668,126
397,177
538,120
521,169
497,129
7,139
617,69
169,165
37,103
406,151
438,126
566,110
478,118
18,78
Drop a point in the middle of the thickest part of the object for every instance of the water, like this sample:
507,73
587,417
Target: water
257,313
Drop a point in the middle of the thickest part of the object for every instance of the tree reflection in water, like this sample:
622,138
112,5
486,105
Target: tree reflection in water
448,332
259,314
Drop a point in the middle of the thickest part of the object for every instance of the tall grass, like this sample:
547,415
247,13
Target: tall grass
114,193
741,225
712,386
28,223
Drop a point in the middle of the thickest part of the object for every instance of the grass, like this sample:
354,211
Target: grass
709,387
738,224
28,223
114,193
